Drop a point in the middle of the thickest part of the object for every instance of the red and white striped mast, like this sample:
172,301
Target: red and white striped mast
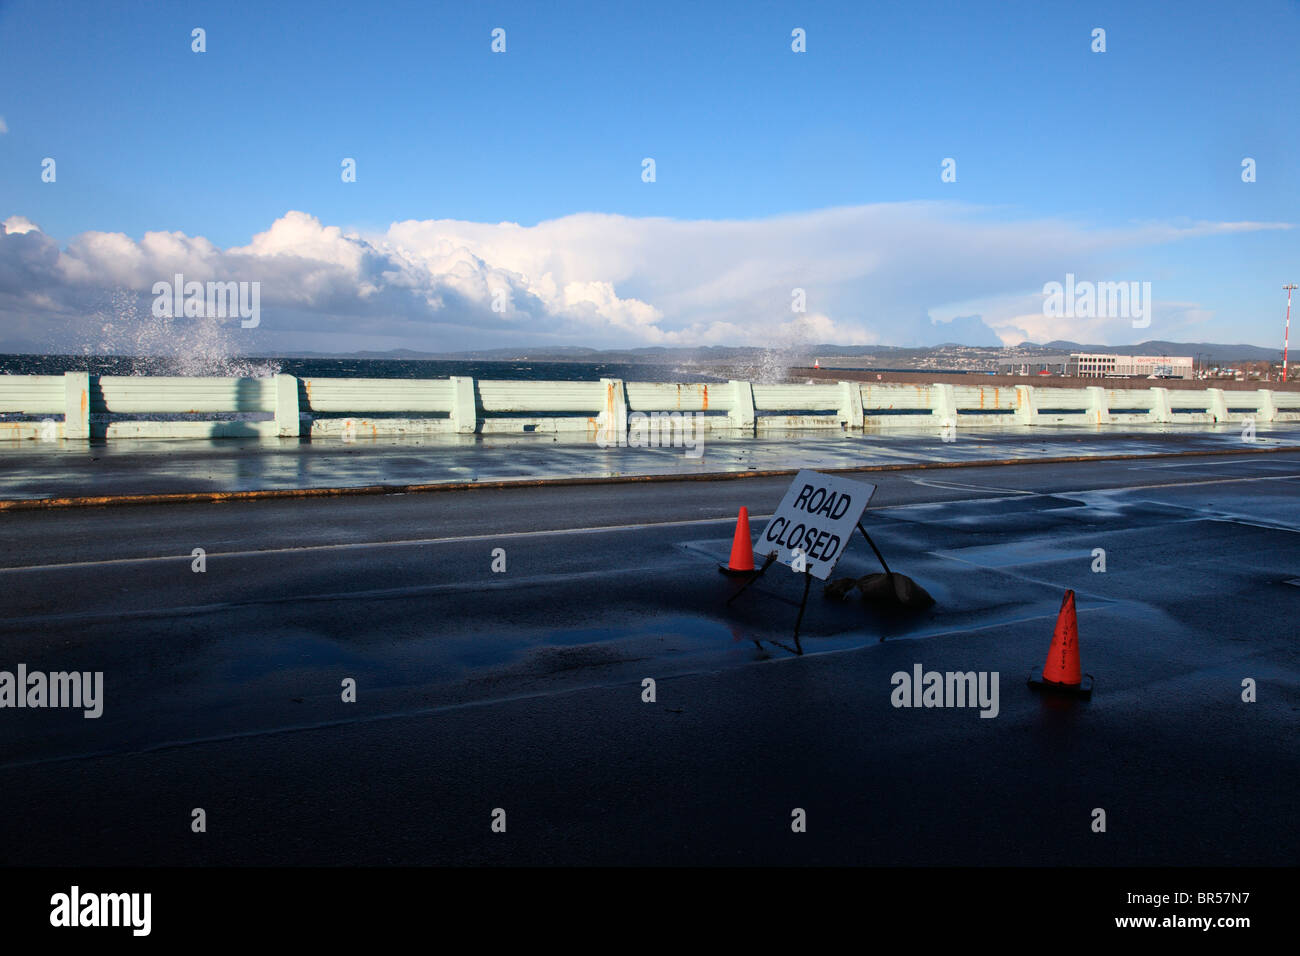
1286,341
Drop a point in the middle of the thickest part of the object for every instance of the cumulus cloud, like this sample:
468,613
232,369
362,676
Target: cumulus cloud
895,273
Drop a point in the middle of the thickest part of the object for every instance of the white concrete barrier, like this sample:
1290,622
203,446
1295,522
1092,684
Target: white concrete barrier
36,395
985,404
798,406
1129,406
77,405
343,407
894,405
1285,406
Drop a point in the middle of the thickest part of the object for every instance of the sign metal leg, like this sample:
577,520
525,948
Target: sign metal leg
754,577
879,556
807,583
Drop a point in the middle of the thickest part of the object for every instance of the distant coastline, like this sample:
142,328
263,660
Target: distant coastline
947,358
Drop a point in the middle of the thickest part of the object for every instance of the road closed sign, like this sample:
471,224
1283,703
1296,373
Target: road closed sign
815,522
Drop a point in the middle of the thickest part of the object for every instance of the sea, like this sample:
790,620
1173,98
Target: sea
251,367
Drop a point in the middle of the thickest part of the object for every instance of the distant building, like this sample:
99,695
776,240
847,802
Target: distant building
1041,365
1099,365
1102,365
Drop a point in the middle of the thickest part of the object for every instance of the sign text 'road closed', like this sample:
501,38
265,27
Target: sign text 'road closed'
816,518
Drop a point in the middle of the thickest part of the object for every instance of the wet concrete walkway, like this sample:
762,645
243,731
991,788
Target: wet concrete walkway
31,470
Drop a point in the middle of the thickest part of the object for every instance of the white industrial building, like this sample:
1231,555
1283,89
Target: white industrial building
1102,365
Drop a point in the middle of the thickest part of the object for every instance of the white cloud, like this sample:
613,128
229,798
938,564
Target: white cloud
4,127
884,273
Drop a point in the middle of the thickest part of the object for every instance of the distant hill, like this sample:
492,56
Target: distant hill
741,355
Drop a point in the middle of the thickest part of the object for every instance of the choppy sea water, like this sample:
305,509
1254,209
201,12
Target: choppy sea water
355,368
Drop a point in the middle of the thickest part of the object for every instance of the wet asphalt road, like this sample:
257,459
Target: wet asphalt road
32,469
522,689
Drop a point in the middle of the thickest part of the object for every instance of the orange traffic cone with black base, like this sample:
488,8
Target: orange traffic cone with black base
742,548
1062,673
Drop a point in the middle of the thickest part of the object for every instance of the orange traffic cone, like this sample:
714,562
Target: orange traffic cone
742,548
1062,673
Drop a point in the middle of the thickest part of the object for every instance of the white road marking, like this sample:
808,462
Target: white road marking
604,529
361,545
958,486
1188,484
1219,463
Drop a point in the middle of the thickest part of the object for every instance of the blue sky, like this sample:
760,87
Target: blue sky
1127,162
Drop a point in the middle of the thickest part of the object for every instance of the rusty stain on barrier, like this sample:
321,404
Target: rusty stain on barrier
703,390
